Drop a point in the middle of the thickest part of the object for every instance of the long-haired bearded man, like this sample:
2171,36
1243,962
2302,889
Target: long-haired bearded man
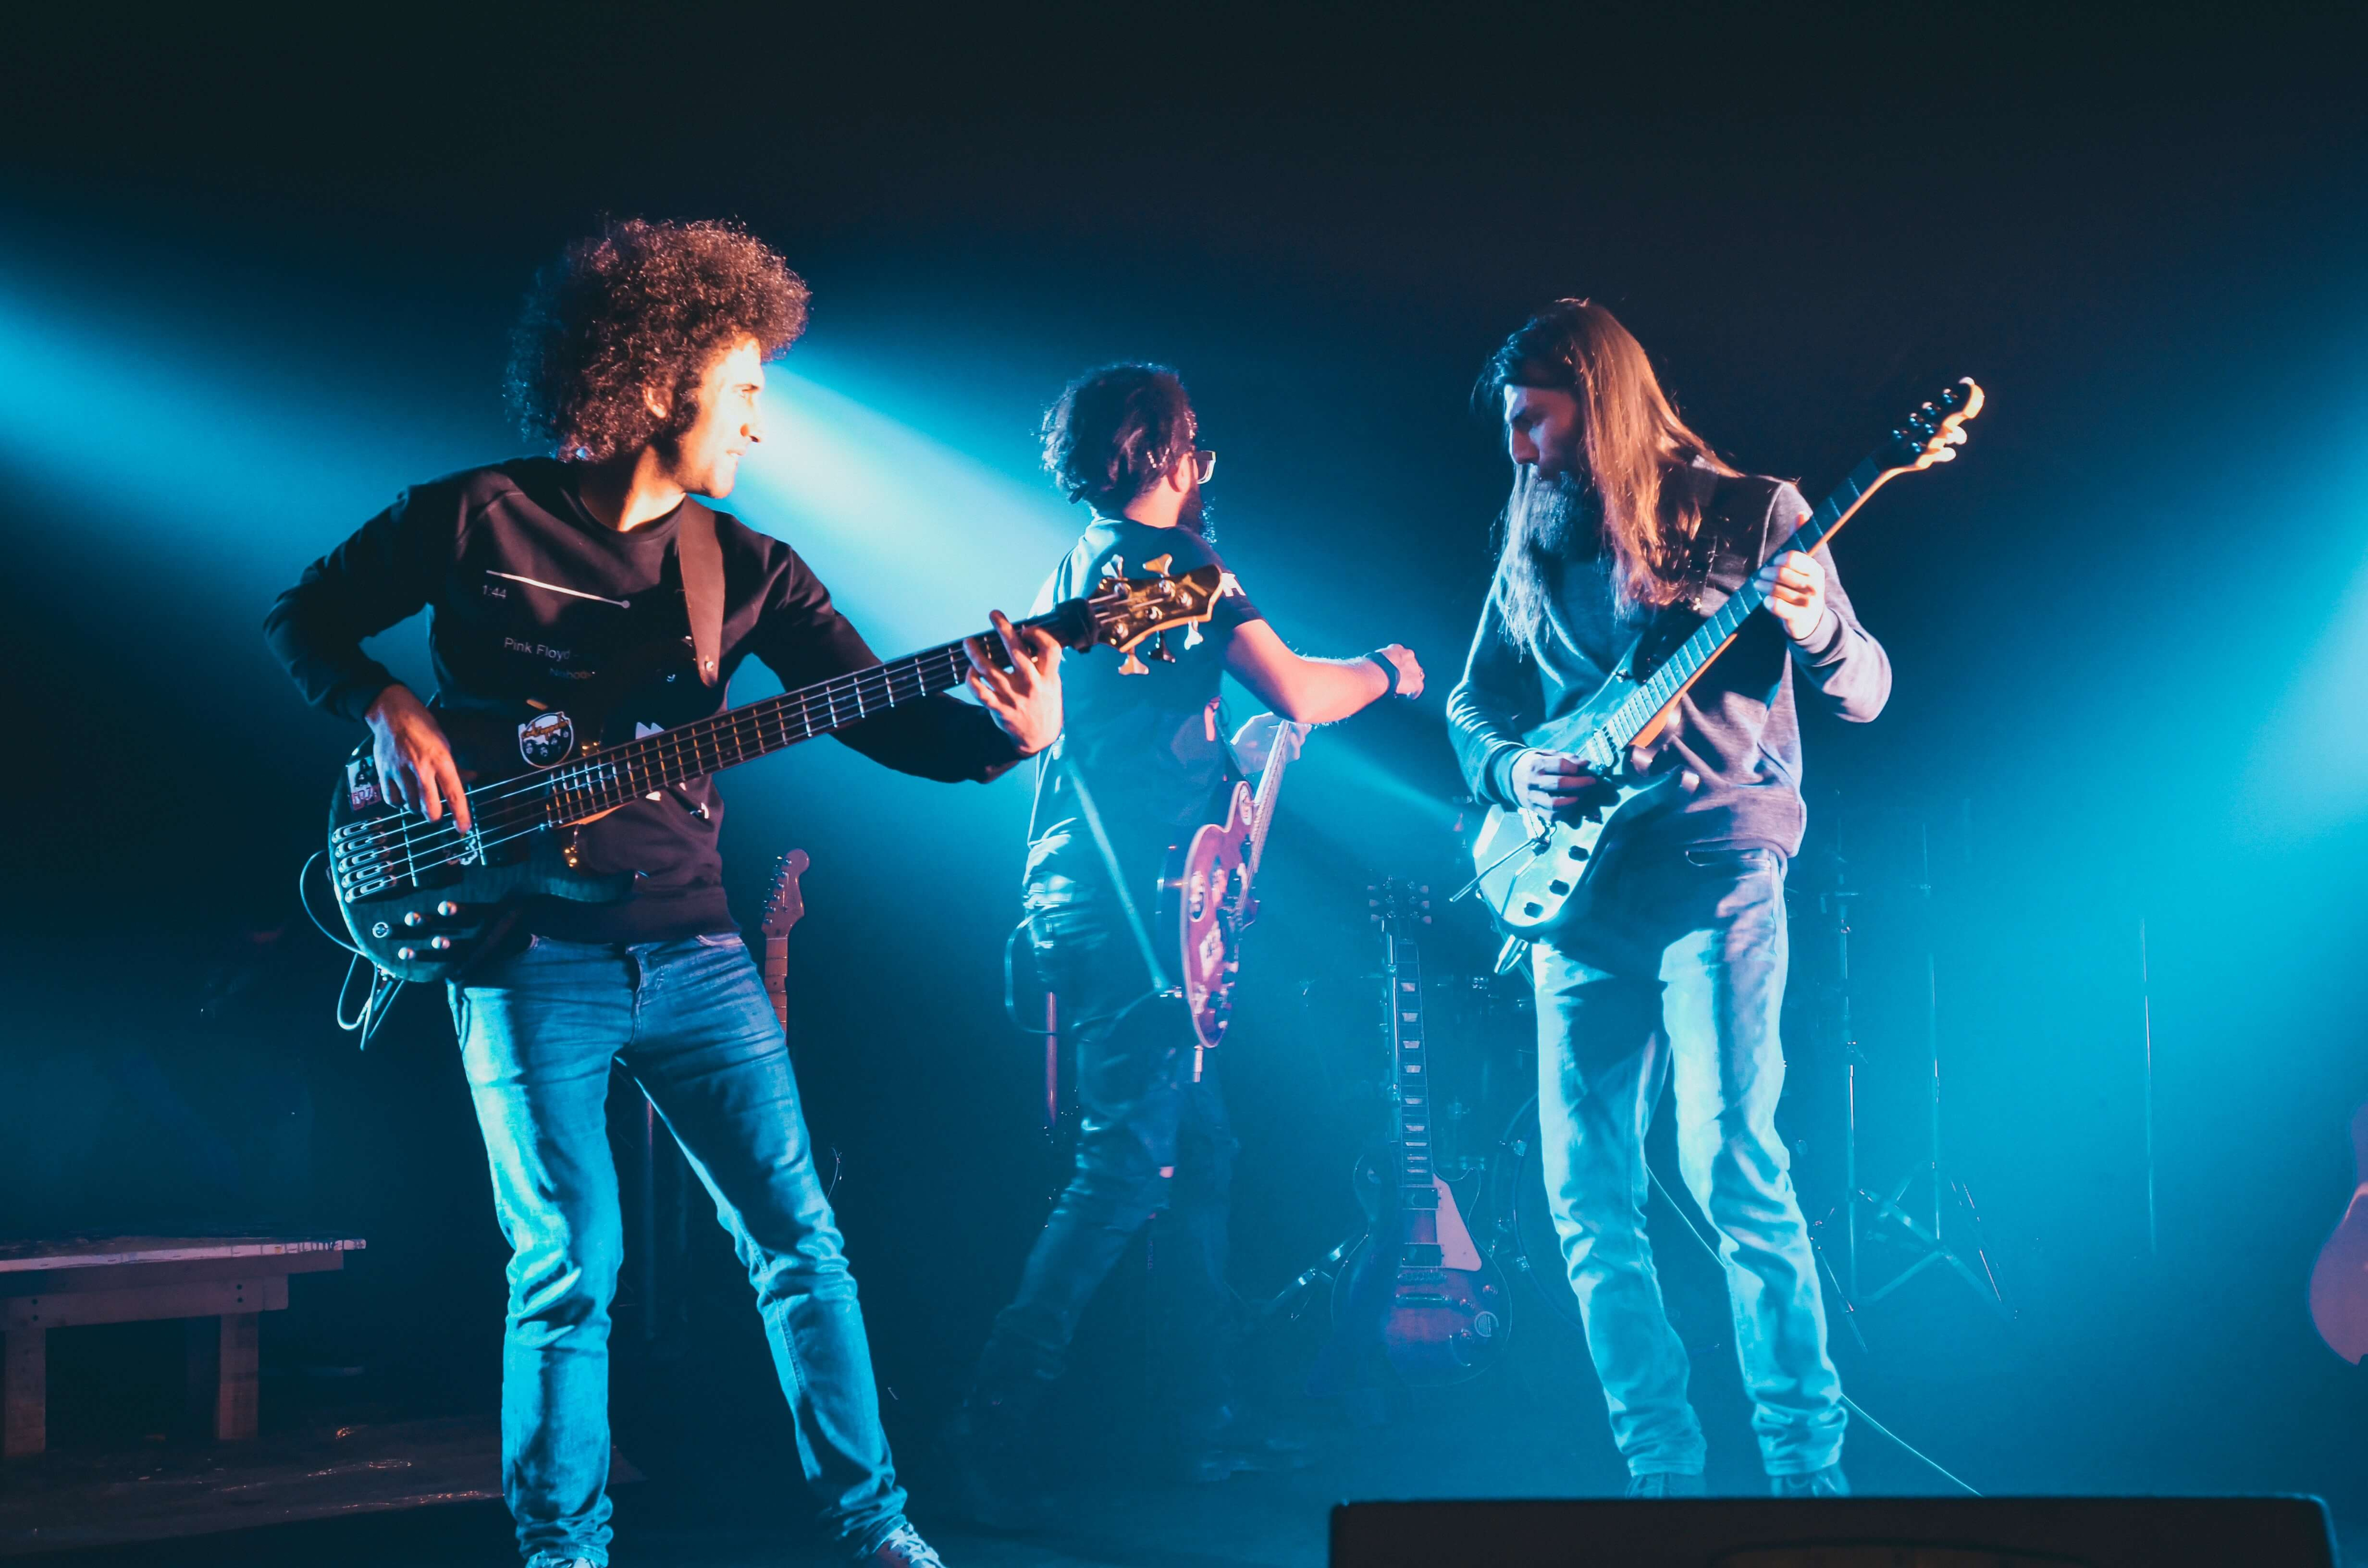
1672,977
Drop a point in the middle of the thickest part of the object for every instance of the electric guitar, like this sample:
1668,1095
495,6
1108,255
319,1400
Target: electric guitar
784,907
1441,1303
1205,900
1532,867
2338,1280
421,898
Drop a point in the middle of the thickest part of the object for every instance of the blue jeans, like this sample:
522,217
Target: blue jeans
1152,1140
692,1023
1676,975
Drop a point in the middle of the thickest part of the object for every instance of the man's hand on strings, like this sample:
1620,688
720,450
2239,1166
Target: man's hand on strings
1025,698
1795,585
414,761
1553,781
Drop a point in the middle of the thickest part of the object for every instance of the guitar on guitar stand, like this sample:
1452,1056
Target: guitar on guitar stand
1413,1292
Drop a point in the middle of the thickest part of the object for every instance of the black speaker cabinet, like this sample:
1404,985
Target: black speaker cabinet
1841,1532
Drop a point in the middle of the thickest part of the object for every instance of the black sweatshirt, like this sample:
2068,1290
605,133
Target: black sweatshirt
529,597
1735,739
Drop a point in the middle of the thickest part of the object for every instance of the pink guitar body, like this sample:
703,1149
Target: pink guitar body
1207,896
2338,1282
1204,899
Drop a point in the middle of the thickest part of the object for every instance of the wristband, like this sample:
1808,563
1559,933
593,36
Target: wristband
1389,668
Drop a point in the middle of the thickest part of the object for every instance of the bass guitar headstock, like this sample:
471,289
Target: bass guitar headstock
785,905
1123,612
1934,433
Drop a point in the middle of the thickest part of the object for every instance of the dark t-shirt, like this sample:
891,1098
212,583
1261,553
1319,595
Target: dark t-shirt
530,598
1152,748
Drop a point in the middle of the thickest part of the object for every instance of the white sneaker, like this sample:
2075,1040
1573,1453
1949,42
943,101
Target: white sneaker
904,1548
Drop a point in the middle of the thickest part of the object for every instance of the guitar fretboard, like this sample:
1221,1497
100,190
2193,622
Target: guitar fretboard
618,775
1607,747
1405,974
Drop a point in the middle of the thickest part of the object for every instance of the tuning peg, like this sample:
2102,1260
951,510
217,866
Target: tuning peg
1158,564
1160,650
1133,666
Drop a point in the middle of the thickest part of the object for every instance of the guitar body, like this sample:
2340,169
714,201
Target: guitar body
1535,870
1204,903
1440,1304
1204,896
424,916
2338,1281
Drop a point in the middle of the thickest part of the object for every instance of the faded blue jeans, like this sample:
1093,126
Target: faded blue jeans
1675,976
691,1022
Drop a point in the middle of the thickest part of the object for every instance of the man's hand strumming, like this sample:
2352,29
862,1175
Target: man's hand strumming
414,761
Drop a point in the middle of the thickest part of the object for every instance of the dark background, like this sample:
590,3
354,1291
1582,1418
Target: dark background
254,277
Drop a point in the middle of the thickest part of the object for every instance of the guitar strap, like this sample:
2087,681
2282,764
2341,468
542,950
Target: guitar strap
700,554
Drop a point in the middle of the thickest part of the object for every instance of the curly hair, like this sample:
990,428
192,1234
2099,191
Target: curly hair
641,305
1116,431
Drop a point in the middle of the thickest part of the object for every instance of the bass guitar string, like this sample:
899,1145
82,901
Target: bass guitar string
593,782
679,742
852,685
686,747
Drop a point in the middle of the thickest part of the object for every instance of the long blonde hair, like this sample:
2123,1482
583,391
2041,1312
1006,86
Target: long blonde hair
1634,444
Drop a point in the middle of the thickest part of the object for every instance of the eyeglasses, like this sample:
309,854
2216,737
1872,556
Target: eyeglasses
1204,465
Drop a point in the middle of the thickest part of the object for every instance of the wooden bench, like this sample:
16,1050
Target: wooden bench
221,1283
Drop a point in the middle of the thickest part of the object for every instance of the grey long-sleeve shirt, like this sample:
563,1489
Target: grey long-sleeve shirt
1735,738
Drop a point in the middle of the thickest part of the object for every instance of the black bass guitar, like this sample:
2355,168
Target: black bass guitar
421,898
1532,867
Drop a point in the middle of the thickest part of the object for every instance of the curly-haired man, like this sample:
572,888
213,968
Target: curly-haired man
639,361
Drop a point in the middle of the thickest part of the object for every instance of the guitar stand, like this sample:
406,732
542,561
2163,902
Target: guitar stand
1323,1271
1926,1234
1929,1240
1834,1280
